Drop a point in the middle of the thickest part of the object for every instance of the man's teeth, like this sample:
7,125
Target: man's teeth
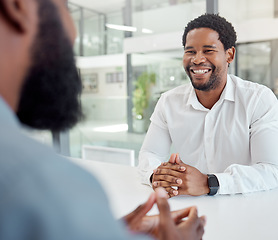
200,71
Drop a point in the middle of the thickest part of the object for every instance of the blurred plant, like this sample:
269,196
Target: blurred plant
141,94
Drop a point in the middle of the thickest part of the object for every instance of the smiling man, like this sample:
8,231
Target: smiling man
224,129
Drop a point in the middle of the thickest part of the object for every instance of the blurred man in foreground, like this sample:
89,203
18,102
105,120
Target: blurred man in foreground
44,196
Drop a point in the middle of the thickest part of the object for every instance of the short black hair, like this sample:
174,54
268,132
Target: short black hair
225,30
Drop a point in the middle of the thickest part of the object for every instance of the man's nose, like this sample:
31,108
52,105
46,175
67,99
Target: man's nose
198,58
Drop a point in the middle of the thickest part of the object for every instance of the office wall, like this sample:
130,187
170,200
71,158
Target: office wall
107,101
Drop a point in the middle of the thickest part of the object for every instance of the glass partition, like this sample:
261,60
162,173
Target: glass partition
104,103
238,11
254,62
168,71
254,22
90,39
75,12
104,100
93,33
148,17
115,37
153,17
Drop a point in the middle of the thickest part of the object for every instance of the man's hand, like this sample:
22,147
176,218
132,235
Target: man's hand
167,225
190,229
162,175
185,179
137,220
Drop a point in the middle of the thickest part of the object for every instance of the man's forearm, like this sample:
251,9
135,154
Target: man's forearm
245,179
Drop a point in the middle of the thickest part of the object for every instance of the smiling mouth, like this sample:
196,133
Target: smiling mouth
200,71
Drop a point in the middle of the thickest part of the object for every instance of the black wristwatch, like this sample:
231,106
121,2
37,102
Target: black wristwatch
213,184
151,178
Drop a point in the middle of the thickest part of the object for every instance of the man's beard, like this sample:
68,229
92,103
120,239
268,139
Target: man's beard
50,97
213,83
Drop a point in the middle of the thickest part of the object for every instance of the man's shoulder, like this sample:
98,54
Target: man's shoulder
246,85
250,93
18,144
52,188
27,156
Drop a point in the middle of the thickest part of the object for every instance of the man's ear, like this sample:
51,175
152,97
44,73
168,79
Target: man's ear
230,54
16,13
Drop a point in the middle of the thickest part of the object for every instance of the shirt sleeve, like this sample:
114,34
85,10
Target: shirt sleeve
154,151
263,173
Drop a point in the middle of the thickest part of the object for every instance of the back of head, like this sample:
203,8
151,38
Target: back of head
225,30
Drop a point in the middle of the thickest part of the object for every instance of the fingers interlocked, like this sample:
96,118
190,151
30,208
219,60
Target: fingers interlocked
168,175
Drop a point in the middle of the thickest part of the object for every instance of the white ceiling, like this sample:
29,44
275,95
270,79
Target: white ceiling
102,6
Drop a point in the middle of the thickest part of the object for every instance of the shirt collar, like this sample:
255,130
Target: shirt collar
229,90
193,100
227,94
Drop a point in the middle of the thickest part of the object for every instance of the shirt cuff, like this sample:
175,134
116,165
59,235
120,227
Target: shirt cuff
145,176
148,178
226,183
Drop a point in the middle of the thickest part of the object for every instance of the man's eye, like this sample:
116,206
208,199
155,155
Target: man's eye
189,52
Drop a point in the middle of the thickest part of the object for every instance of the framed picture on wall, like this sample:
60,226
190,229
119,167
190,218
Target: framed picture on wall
90,82
115,77
120,77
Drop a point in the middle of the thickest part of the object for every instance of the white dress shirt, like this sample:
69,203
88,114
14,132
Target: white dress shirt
237,139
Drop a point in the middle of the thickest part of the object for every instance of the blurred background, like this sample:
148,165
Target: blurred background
128,52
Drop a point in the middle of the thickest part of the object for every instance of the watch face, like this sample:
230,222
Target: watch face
213,181
213,184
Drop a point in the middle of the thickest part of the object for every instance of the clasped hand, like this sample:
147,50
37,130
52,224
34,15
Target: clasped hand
178,178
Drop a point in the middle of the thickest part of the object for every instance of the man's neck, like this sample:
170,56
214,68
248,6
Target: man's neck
209,98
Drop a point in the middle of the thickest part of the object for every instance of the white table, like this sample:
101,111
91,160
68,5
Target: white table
230,217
